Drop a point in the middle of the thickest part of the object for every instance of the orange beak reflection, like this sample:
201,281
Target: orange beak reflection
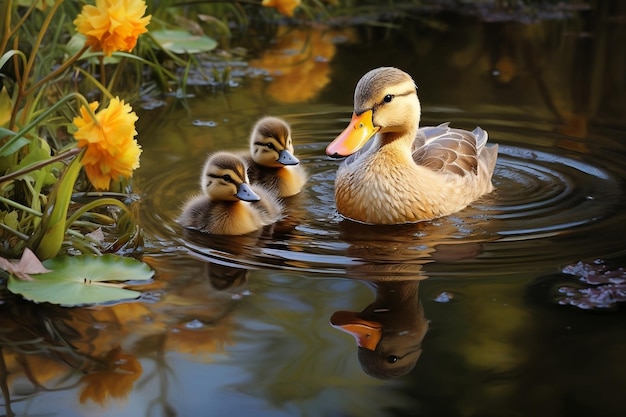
367,333
358,132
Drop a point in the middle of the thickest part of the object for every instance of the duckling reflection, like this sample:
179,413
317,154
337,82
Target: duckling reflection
389,331
224,277
226,251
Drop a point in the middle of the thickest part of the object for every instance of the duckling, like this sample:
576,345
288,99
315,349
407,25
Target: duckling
405,173
271,161
228,204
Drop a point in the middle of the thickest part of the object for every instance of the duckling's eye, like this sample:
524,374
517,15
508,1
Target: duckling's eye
387,98
271,146
227,178
392,359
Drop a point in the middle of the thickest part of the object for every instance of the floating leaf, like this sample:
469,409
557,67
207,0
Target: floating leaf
183,42
83,279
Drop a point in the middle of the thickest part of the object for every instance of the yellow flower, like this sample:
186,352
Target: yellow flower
285,7
113,25
111,150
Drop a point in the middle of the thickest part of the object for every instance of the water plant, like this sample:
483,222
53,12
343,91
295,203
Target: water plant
42,147
51,132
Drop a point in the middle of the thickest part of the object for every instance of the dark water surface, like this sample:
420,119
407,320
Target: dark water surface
477,317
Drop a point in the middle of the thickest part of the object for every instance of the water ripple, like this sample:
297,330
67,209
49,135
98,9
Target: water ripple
549,203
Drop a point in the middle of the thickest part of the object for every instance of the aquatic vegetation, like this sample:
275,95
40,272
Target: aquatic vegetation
41,161
82,279
45,147
599,286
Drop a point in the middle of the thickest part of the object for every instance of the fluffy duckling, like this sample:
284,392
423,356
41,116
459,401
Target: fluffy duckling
228,204
271,161
404,173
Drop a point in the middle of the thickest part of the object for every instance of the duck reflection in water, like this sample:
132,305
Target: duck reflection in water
391,259
389,331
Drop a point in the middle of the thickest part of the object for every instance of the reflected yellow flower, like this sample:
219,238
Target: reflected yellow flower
202,343
116,381
284,7
111,150
39,369
113,25
300,62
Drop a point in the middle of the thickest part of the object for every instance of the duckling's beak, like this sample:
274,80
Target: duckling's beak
358,132
287,158
245,193
367,333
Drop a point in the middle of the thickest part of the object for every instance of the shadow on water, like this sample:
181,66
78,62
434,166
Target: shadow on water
462,315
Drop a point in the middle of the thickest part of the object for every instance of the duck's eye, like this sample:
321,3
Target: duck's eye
387,98
227,178
271,146
392,359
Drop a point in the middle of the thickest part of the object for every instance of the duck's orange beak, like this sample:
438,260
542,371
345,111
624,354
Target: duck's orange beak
367,333
358,132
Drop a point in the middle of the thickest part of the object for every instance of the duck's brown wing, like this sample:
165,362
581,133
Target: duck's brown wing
448,150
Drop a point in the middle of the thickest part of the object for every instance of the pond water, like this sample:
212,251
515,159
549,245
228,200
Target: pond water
480,312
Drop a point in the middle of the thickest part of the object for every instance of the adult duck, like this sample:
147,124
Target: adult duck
228,203
405,173
271,161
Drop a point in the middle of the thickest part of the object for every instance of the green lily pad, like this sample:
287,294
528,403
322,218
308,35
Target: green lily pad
183,42
83,279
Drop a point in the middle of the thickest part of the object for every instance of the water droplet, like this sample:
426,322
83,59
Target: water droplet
208,123
444,297
194,324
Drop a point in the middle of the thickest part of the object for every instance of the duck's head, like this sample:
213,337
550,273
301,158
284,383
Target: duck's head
225,178
385,101
271,144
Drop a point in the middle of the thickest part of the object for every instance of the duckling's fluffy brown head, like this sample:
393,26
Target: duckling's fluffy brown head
224,177
271,144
